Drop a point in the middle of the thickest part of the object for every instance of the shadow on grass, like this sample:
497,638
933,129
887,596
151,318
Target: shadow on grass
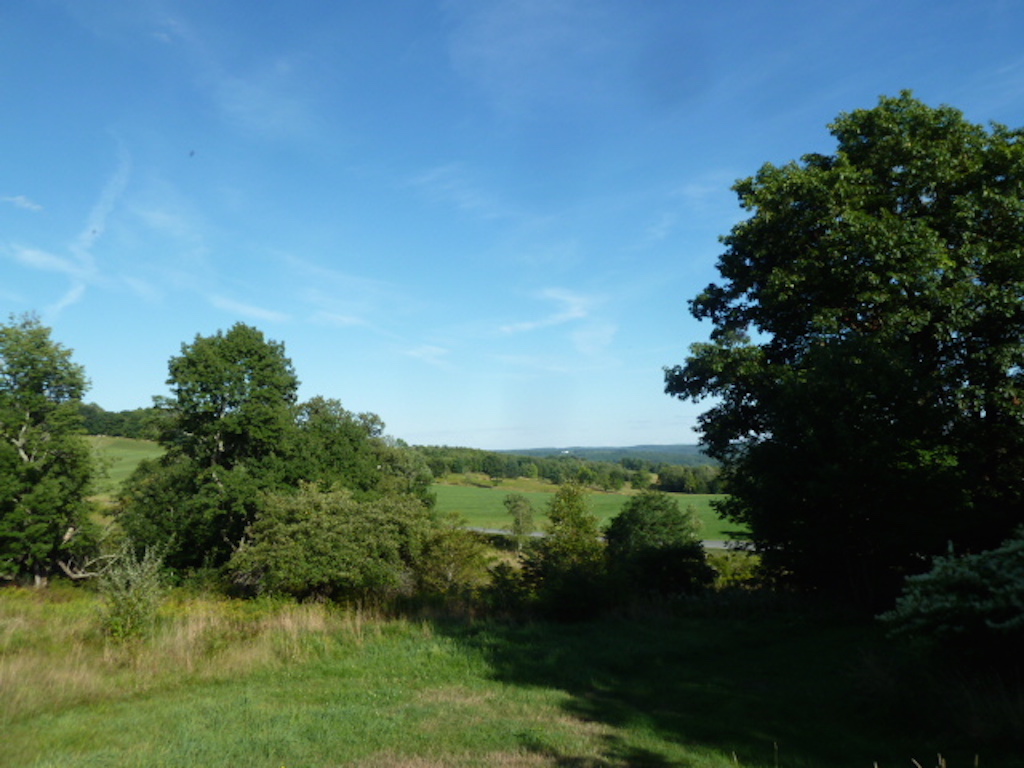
758,691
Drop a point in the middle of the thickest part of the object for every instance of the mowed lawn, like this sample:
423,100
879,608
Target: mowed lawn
484,507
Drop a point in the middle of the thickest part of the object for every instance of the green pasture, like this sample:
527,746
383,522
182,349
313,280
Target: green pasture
118,457
475,499
484,508
278,685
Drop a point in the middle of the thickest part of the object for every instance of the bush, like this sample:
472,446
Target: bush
654,547
564,570
325,544
967,601
453,560
132,590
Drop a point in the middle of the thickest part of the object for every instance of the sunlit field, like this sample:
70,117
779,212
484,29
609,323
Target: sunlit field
271,684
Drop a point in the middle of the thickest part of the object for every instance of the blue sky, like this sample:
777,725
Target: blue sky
480,220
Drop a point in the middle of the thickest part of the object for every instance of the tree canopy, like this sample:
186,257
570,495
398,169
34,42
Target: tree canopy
45,466
237,442
867,347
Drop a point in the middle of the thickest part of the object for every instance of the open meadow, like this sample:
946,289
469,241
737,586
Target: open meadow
483,507
475,498
272,684
118,458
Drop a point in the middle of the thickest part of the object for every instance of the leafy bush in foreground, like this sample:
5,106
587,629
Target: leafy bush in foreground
326,544
132,589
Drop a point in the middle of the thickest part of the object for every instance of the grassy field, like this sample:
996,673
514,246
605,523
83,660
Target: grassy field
482,506
229,683
119,456
473,497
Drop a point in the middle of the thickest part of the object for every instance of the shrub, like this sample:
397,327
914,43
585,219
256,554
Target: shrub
654,547
453,560
132,590
966,601
565,569
325,544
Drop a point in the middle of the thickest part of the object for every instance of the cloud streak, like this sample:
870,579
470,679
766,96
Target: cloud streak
247,310
23,202
573,307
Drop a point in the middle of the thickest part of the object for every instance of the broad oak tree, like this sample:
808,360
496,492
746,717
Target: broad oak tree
236,439
226,426
45,464
867,353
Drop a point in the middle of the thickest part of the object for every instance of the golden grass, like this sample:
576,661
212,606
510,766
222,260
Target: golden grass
53,654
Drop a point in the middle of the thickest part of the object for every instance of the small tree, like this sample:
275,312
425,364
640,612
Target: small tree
565,568
654,546
45,465
521,510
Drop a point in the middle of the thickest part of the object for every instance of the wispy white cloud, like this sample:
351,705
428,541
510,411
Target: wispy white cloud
45,261
23,202
571,306
267,102
264,97
96,221
430,354
247,310
526,56
453,184
337,320
594,338
80,266
74,294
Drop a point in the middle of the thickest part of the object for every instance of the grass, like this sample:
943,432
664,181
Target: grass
483,508
226,683
119,457
475,497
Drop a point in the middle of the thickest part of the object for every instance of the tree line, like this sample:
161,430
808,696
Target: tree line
268,495
639,473
636,471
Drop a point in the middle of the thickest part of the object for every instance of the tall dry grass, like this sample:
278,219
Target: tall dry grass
54,654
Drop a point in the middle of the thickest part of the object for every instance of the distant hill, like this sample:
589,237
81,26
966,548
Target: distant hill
685,455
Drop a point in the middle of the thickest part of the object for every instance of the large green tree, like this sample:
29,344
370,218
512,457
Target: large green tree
227,427
867,351
45,465
235,437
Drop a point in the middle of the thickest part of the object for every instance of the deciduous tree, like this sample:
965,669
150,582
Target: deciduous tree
867,348
45,464
229,419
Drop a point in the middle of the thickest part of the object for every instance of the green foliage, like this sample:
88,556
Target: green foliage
45,464
326,544
877,413
653,547
337,447
232,432
228,424
565,568
453,560
132,589
139,424
974,602
521,511
231,398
